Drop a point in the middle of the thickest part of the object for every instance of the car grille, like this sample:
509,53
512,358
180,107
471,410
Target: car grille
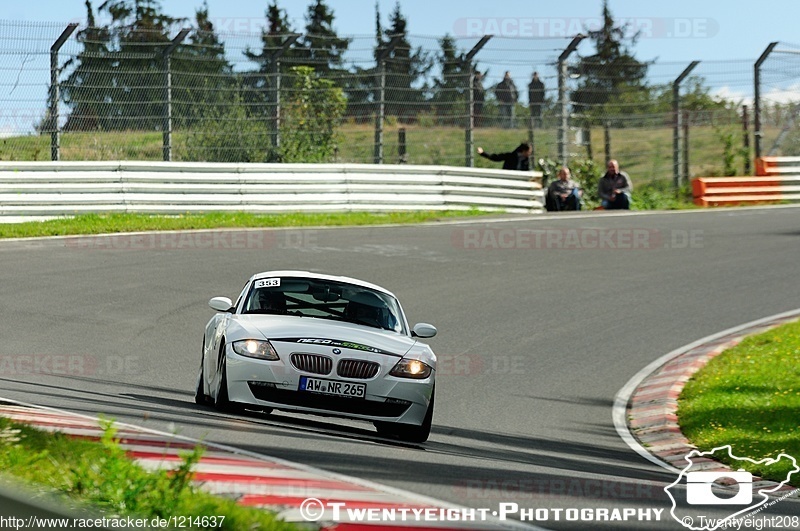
357,369
312,363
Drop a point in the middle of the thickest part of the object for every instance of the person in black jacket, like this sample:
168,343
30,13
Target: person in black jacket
536,99
515,160
507,96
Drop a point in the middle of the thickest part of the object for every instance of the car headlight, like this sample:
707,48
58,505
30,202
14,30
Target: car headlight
254,348
407,368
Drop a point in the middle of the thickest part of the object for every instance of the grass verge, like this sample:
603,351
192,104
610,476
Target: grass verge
749,397
101,475
113,223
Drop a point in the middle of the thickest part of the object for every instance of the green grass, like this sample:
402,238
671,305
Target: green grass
114,223
749,397
645,153
101,476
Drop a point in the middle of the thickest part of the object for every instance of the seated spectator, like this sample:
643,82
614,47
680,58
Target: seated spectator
563,193
614,188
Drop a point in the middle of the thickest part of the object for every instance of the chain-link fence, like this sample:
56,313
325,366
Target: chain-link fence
204,96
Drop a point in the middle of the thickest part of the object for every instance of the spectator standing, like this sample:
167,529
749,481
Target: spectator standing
563,193
536,99
478,97
519,159
507,96
615,188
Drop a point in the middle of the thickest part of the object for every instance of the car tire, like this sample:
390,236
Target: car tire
223,402
200,392
408,432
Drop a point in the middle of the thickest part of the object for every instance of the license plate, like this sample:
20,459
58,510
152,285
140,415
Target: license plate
333,387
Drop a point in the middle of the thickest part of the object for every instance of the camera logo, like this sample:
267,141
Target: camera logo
720,488
699,484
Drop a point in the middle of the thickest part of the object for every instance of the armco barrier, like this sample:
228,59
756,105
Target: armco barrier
778,181
68,188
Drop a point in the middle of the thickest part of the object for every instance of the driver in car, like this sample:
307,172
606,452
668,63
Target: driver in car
271,301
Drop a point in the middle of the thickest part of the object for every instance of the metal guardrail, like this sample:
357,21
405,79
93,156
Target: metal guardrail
69,188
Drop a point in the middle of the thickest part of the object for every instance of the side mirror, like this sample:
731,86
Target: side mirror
423,330
221,304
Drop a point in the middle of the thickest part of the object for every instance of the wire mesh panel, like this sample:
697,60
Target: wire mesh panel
780,97
128,92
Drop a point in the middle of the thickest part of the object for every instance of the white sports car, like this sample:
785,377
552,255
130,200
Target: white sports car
320,344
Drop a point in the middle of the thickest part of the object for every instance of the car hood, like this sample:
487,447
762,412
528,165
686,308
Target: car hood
312,331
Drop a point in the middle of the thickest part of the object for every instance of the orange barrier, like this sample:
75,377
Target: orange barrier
766,166
777,180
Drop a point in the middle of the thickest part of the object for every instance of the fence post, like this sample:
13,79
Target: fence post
275,67
562,97
746,139
607,141
55,133
676,132
757,96
685,145
469,140
167,125
380,116
402,158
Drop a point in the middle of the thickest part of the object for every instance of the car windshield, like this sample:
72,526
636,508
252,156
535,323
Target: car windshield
324,299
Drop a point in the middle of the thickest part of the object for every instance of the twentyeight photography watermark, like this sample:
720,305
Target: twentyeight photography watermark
733,490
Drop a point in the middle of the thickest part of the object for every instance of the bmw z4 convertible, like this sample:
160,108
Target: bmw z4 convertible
320,344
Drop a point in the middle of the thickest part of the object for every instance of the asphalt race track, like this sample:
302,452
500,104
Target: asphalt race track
541,322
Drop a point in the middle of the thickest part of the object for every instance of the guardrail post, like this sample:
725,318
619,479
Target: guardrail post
563,123
757,96
383,53
676,131
469,141
167,125
55,132
275,70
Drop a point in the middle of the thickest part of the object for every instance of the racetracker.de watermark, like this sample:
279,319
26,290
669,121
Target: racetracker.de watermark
576,239
538,488
222,240
568,27
67,365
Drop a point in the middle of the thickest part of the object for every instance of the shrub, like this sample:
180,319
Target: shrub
224,133
312,116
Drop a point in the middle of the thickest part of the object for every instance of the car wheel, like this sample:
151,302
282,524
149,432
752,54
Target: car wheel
222,401
200,393
408,432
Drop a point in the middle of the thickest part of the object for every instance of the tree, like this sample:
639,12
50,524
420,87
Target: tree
321,47
260,94
201,75
312,117
272,37
405,67
118,79
360,85
140,31
449,88
612,73
90,78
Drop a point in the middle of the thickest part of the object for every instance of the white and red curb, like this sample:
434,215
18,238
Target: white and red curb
256,480
645,410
